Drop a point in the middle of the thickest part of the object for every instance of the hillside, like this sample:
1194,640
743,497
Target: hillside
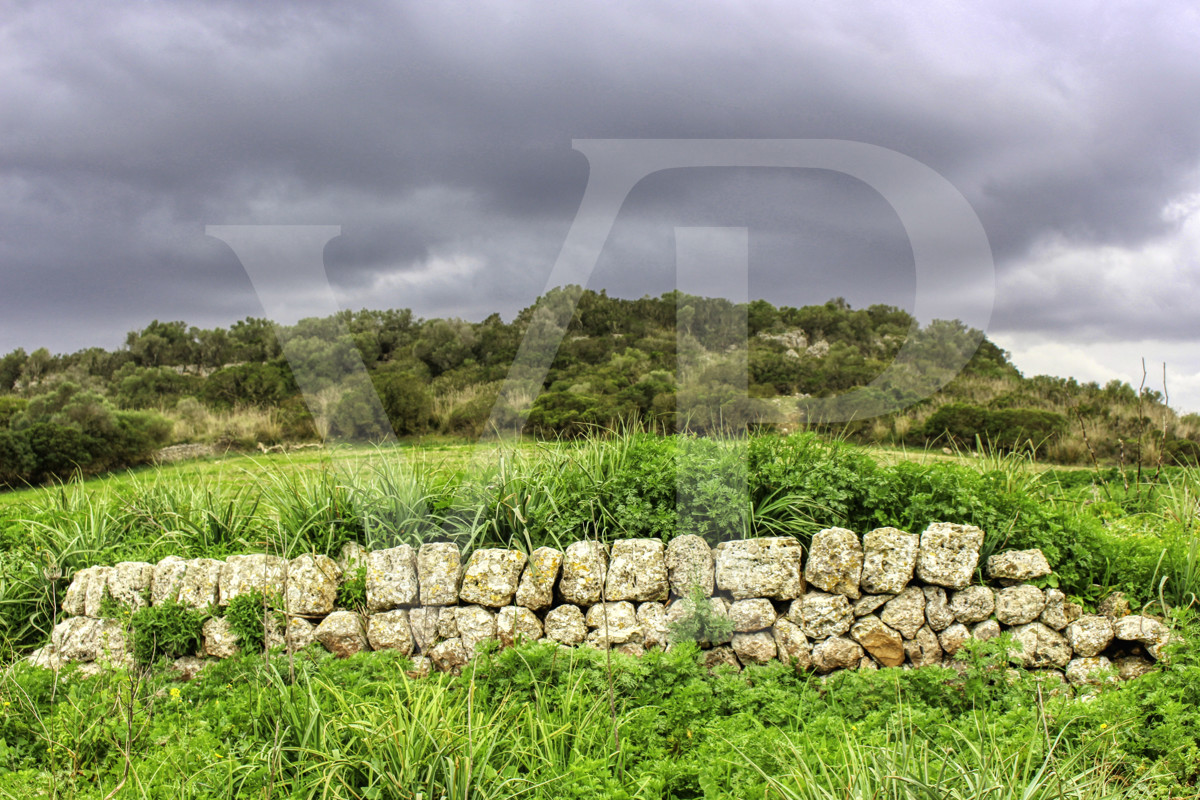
677,361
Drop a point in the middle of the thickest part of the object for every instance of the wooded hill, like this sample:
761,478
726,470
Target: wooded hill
666,363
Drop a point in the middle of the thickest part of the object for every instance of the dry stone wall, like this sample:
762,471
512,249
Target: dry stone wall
885,599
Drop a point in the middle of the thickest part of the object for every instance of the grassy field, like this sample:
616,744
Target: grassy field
541,723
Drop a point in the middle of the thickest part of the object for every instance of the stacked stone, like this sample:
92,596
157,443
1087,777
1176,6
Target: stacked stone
887,599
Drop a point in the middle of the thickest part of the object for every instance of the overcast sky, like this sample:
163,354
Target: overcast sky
439,137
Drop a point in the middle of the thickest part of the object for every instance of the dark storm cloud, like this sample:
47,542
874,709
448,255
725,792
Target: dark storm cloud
438,137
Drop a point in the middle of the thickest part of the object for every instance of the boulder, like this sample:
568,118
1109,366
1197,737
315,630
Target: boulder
885,644
342,633
988,629
515,624
1017,566
754,648
949,554
792,644
652,617
75,600
129,584
690,564
937,609
439,570
566,625
80,638
905,612
721,657
924,649
1041,646
536,587
889,557
870,603
1090,635
312,586
166,580
475,624
299,634
755,614
953,638
253,573
449,656
637,571
613,623
821,615
423,622
392,578
973,604
764,567
390,630
584,568
1089,671
186,668
836,652
1148,631
1115,605
1130,667
1059,612
97,590
447,623
421,667
835,562
351,558
219,639
1019,605
491,577
200,587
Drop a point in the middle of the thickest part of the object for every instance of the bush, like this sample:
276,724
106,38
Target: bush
167,630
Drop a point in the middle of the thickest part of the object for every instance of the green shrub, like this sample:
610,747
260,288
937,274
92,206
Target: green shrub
352,594
167,630
247,615
701,622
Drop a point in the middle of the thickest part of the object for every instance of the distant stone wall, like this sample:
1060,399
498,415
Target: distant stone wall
887,599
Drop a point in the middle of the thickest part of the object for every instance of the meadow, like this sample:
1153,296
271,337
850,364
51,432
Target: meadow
539,722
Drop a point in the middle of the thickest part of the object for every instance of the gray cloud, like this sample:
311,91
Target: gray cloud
438,136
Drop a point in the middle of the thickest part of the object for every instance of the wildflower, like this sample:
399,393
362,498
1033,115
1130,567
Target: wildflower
1103,725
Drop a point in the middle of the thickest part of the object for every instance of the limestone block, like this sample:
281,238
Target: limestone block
821,615
200,587
890,555
1018,605
754,648
352,557
312,585
491,577
953,638
613,623
836,652
583,571
515,624
390,630
219,639
764,567
566,625
1059,612
1130,667
755,614
1089,635
835,562
924,649
988,629
973,604
97,588
342,634
392,578
792,644
906,611
1089,671
449,656
166,580
652,617
1017,566
536,587
447,623
721,657
870,603
1042,646
949,554
423,621
1148,631
439,570
475,624
75,600
937,610
884,643
637,571
129,583
689,564
299,634
253,573
1115,605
